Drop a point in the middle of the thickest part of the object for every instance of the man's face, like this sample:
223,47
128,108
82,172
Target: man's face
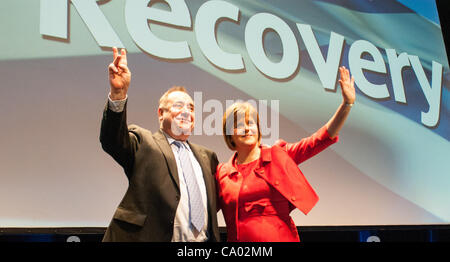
177,118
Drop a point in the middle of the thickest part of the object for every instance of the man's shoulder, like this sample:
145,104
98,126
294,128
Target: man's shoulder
201,148
143,132
136,128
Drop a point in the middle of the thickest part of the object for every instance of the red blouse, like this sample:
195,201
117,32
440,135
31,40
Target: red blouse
256,198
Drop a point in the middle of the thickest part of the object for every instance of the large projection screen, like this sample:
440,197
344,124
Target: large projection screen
390,166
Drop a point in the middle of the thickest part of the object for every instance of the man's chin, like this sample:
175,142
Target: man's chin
182,130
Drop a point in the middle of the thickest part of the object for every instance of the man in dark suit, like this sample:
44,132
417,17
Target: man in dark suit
171,194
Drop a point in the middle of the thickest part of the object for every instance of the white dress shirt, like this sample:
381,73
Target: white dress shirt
183,231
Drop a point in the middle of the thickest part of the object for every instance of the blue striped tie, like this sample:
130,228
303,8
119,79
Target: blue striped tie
196,208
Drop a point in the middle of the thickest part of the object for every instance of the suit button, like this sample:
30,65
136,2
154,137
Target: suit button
293,198
277,183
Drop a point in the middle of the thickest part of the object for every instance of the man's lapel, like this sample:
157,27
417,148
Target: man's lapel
161,140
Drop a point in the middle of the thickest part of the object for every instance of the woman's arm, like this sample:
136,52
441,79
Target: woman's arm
337,121
327,135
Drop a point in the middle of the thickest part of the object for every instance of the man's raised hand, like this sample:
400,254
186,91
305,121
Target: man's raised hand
119,75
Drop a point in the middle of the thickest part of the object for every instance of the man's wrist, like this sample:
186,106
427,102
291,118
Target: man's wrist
116,105
117,97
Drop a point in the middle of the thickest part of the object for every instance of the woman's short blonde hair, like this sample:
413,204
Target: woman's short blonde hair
230,119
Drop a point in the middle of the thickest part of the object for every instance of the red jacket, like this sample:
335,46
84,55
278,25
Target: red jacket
279,168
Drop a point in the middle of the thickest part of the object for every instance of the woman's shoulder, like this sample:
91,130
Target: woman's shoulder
280,143
226,168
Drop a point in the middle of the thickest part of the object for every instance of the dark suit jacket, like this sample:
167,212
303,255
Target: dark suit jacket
147,211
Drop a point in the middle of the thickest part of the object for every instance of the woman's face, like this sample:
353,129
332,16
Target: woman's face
245,133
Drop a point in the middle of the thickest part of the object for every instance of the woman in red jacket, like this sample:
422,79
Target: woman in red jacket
259,186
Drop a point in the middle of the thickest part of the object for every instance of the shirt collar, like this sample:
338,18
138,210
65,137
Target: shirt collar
230,168
171,140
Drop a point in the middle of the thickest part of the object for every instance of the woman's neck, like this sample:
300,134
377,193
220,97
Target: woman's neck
245,156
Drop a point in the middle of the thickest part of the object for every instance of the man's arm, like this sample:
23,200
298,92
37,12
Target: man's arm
115,138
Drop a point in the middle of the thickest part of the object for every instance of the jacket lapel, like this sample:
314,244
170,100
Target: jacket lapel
266,157
161,140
